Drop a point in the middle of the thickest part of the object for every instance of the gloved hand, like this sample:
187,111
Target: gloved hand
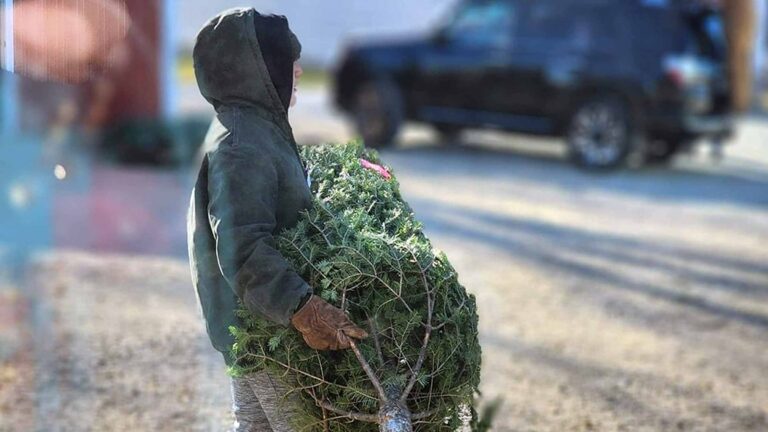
324,326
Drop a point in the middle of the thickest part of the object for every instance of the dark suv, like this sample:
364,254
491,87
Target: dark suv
611,76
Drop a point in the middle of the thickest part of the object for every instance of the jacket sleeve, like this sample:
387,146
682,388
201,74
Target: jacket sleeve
243,190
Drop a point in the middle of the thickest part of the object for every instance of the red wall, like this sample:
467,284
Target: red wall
137,93
120,81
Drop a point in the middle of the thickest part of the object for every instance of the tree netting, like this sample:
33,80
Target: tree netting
361,249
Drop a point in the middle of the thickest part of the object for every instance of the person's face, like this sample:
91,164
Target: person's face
297,71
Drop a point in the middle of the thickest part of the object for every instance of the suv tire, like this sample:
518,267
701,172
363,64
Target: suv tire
378,113
600,133
448,134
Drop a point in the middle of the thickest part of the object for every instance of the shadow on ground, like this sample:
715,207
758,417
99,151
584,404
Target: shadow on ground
563,248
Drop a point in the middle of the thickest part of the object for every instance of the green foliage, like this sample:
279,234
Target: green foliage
361,249
485,421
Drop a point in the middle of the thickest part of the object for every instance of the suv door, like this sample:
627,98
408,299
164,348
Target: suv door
469,57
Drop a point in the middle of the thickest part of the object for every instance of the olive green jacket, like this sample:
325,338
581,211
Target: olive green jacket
251,185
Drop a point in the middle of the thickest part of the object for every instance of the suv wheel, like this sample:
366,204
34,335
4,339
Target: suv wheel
378,113
448,134
600,133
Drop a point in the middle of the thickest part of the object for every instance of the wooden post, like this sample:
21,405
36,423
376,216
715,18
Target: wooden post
740,25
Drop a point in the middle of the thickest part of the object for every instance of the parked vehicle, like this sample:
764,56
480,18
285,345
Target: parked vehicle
612,77
154,141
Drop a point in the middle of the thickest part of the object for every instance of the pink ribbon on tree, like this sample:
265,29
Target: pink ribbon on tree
376,167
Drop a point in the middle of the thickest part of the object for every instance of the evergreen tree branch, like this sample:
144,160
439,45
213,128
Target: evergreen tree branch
427,332
369,418
376,342
436,370
301,372
322,233
424,414
374,275
368,371
308,261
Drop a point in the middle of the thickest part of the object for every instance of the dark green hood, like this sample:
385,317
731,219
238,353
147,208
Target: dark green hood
230,66
251,184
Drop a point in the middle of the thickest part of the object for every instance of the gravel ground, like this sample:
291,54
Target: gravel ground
116,346
632,301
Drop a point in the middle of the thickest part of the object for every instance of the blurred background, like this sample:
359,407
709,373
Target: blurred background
597,171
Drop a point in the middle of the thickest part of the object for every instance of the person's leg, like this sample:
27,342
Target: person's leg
274,399
249,416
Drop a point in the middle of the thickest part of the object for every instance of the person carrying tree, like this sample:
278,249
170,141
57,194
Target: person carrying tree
251,185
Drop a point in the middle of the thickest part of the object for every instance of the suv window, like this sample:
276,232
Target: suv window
483,24
554,26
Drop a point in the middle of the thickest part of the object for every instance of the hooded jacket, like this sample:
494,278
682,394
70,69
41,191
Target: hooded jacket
252,183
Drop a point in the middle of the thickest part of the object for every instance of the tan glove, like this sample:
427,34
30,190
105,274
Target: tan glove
324,326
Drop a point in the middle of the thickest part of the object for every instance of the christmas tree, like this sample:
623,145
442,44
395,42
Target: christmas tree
361,249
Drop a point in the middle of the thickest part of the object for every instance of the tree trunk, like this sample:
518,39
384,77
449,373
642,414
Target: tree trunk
395,417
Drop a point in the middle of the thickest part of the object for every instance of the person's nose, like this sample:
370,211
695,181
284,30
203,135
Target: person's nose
299,71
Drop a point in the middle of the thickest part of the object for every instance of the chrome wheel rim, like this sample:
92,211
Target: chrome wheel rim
370,115
599,134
